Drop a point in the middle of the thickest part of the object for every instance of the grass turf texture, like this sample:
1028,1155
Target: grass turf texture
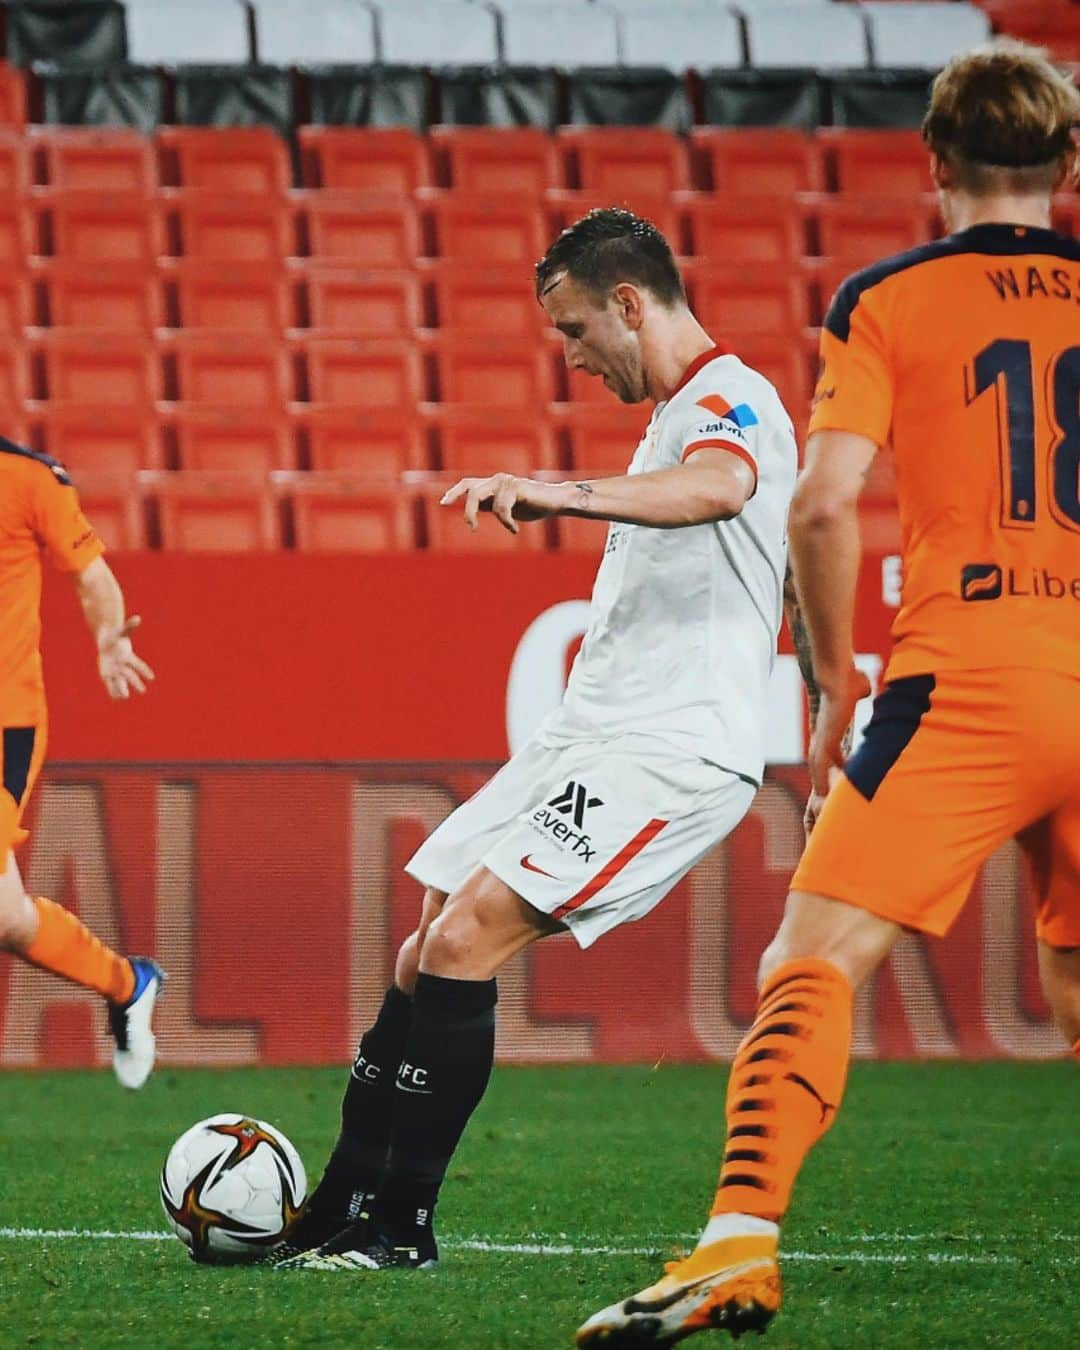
979,1162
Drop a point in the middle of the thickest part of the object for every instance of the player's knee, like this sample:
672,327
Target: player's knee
18,922
453,943
1060,972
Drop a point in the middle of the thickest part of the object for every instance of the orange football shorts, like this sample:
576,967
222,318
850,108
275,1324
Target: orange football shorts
950,767
22,753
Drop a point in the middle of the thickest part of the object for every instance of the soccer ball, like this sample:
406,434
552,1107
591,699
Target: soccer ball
232,1187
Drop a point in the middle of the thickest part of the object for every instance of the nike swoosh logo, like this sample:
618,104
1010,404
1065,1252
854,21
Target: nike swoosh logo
532,867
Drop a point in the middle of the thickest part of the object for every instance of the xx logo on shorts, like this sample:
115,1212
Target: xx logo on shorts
574,798
574,801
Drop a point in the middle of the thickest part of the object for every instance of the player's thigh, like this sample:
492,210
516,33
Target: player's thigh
613,828
18,915
407,965
934,789
454,850
1052,846
22,753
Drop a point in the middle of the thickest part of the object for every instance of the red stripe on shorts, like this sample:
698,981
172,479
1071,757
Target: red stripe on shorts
623,858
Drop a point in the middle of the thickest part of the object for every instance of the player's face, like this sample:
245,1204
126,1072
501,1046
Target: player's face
599,339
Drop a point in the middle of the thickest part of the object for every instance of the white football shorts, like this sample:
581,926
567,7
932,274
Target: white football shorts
594,833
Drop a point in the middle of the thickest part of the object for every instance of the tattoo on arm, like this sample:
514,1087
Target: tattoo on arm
801,638
585,491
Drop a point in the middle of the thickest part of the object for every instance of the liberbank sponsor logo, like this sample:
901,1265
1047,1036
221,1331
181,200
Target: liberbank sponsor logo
989,581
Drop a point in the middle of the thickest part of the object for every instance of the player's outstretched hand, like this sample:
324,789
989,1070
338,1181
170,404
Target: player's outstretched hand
120,669
835,713
509,499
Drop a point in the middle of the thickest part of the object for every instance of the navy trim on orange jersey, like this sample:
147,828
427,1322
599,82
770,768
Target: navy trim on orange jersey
59,472
993,240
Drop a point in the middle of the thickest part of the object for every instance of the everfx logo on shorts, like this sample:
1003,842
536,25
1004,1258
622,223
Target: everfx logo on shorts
574,801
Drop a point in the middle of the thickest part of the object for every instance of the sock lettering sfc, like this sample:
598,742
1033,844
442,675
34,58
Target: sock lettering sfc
442,1077
355,1167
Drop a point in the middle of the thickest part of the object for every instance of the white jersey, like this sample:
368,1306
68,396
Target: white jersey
682,636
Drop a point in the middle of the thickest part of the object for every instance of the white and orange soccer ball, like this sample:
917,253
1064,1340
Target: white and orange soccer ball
232,1187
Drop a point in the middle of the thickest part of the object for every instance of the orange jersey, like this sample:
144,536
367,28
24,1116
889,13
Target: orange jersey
964,356
39,513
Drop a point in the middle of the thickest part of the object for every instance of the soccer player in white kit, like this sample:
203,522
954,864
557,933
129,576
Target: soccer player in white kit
653,757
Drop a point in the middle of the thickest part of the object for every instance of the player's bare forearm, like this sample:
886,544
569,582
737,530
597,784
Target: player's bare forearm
101,598
710,486
801,641
102,601
666,499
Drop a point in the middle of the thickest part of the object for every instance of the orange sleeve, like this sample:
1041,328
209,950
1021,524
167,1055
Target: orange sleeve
62,530
855,387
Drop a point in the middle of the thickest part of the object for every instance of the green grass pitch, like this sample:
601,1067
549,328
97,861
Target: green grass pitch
940,1211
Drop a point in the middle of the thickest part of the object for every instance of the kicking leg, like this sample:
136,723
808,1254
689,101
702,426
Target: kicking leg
443,1073
355,1167
1059,971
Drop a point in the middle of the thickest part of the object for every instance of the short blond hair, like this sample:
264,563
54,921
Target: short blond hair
1002,117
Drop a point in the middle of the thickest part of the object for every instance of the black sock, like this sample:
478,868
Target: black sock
444,1071
356,1165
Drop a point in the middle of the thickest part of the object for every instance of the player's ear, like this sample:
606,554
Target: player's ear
941,172
630,303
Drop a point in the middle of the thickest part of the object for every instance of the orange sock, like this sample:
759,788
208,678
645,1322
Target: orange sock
785,1086
67,947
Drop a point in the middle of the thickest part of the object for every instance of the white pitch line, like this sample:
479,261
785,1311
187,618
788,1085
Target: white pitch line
541,1248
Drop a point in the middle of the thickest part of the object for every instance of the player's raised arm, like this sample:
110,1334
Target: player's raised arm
102,602
713,484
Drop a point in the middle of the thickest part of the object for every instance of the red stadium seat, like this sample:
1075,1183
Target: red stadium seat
493,229
603,437
752,162
102,368
578,535
565,206
12,97
367,374
215,512
736,301
79,159
17,309
363,303
481,439
101,439
225,159
447,532
361,231
233,228
828,274
388,160
497,159
14,380
102,227
113,503
124,297
252,297
350,513
729,229
501,372
385,443
1054,24
869,228
238,370
18,232
786,361
485,299
877,163
606,159
16,171
227,438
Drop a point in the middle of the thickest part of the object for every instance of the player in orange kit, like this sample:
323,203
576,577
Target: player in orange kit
40,515
964,355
